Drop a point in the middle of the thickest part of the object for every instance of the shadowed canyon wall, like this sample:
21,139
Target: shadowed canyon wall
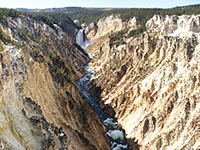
40,105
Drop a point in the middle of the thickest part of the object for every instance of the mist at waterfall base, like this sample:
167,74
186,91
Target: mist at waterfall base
114,132
81,40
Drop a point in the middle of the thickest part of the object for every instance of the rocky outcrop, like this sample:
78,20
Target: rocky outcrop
40,105
152,83
174,24
105,25
91,30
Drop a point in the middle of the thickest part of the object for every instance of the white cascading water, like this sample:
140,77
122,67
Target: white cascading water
82,42
114,132
79,38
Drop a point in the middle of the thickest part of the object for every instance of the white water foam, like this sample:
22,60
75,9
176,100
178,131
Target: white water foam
116,146
116,134
80,40
110,122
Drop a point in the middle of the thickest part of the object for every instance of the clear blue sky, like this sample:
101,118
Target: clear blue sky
95,3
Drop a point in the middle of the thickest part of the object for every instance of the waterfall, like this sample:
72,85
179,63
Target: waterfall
83,43
79,38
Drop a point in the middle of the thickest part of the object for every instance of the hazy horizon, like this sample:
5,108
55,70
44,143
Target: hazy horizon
38,4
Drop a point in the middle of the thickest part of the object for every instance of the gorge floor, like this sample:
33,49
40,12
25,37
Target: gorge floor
114,131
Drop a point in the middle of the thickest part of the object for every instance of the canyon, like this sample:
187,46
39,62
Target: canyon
40,106
113,130
100,87
150,83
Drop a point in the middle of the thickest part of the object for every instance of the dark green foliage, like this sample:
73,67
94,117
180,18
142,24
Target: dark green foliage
23,33
4,13
9,13
87,16
137,31
4,38
142,15
1,47
44,18
48,18
52,18
59,17
117,38
59,69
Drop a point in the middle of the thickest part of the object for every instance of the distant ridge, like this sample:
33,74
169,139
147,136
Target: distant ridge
66,9
86,15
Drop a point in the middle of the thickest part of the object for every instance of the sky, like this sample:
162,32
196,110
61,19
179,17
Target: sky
96,3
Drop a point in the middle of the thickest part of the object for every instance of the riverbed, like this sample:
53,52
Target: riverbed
114,132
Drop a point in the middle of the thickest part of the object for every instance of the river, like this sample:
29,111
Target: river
114,132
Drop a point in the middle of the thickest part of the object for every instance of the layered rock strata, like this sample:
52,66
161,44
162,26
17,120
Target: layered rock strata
152,83
40,105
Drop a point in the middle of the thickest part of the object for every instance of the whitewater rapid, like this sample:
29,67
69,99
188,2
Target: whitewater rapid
114,132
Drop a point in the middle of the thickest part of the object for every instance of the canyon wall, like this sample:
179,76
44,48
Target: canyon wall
40,105
174,24
107,25
151,83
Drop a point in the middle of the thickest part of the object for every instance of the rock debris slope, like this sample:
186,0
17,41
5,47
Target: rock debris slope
40,104
152,82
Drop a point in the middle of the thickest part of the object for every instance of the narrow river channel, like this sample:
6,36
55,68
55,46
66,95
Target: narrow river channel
114,132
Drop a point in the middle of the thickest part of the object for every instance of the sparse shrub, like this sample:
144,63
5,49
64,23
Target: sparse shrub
4,38
137,31
1,47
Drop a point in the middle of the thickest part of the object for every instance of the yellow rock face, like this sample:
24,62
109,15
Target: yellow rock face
157,97
40,105
107,25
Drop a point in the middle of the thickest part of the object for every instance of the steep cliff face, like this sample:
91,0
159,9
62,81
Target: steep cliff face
174,24
40,104
152,83
69,29
105,25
